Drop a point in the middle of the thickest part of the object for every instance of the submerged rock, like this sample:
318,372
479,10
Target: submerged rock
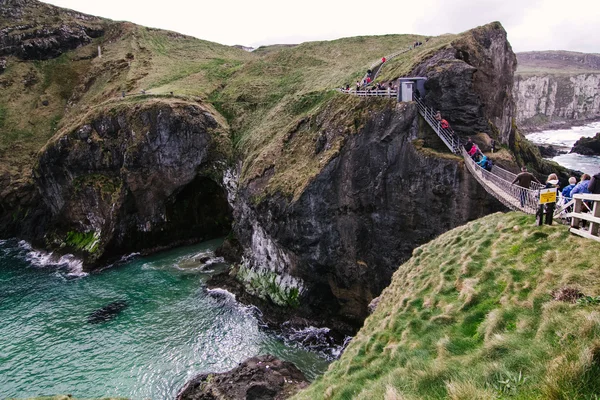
107,312
550,151
258,378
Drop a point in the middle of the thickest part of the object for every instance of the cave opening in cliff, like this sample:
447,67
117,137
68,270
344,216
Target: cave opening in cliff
199,211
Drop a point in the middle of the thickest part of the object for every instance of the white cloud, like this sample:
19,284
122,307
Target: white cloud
531,24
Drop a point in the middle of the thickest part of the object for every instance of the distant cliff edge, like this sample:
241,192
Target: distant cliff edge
555,89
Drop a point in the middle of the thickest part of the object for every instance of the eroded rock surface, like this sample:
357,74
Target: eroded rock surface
587,146
471,83
134,179
557,89
24,37
335,248
258,378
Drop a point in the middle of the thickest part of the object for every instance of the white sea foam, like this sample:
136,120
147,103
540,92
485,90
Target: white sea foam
40,258
564,137
223,294
317,340
198,262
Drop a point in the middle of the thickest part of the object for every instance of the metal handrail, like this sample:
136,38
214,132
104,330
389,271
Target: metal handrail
509,176
372,93
498,182
494,182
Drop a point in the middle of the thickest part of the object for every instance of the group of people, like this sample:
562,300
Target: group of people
477,155
587,185
368,87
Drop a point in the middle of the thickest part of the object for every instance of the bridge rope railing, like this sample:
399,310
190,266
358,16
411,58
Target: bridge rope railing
497,182
515,197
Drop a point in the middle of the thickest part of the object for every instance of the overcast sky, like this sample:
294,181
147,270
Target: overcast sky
531,24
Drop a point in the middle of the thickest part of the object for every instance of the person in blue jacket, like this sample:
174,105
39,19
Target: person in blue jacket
582,186
566,192
483,162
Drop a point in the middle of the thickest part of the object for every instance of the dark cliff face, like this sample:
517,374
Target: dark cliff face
339,243
471,83
134,180
29,33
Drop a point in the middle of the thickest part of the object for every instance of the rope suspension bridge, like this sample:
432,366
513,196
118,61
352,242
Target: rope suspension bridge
498,182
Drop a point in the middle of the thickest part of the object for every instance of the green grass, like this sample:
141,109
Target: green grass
471,316
272,103
69,397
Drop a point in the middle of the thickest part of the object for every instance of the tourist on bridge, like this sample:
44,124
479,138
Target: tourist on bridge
483,162
523,180
566,192
469,144
382,60
594,186
548,208
473,151
357,86
582,186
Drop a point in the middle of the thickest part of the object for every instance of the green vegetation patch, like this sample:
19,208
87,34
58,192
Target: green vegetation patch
476,314
86,241
269,285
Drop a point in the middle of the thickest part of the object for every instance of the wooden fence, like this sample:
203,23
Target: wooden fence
583,203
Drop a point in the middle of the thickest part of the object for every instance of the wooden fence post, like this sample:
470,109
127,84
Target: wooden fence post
595,213
576,209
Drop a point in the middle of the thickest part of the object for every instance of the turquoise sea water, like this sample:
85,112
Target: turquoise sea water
172,329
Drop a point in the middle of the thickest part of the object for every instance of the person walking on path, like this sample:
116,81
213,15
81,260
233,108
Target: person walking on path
382,60
483,162
548,208
524,180
594,186
493,145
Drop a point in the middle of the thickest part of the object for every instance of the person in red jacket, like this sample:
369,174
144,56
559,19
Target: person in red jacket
382,60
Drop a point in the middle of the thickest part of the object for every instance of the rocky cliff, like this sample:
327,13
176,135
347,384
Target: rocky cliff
335,247
138,179
389,186
470,82
557,89
329,193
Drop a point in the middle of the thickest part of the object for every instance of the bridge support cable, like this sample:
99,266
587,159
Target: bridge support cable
497,182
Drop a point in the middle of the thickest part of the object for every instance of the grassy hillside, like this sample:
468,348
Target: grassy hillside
40,98
274,101
498,308
557,62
